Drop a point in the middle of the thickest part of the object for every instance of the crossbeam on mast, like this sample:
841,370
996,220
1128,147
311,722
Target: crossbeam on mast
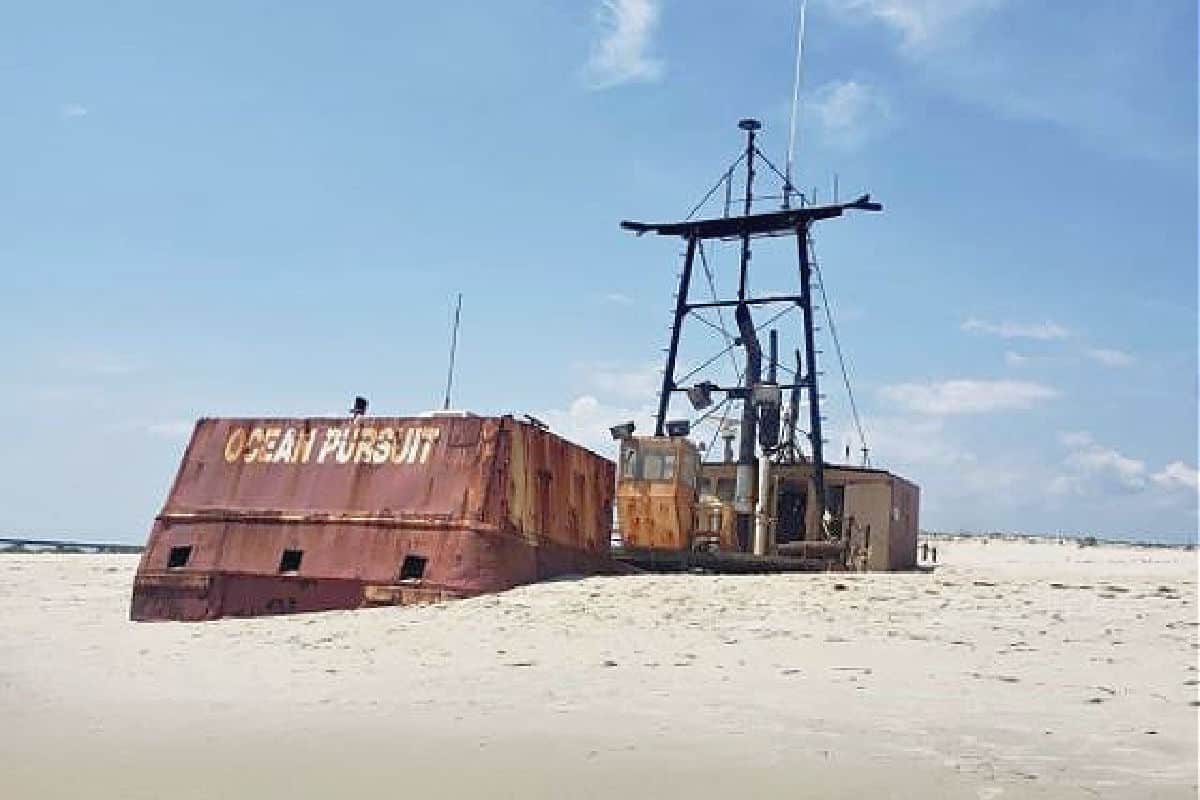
788,221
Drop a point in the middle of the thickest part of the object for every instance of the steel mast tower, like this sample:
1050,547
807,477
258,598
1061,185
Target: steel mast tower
752,392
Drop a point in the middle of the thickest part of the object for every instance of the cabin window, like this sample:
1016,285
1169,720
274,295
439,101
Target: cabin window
649,462
658,466
413,568
688,467
629,462
290,560
179,556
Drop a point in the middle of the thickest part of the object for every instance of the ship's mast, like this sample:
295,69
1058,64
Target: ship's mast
743,496
816,443
787,222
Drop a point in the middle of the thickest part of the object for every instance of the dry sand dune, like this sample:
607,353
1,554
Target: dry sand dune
1014,670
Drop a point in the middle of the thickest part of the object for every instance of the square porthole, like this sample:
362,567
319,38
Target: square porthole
413,568
290,560
179,556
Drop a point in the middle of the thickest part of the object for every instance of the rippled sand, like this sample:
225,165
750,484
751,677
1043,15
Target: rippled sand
1014,670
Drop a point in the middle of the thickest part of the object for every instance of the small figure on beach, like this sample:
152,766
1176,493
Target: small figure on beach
924,551
933,552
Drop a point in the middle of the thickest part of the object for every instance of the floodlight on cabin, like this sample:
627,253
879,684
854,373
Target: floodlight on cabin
359,408
622,431
678,427
700,395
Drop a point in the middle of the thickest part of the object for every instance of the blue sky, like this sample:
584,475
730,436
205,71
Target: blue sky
242,208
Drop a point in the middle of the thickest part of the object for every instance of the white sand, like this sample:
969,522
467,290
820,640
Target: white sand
983,679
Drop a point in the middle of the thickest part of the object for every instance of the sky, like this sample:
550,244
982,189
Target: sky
267,208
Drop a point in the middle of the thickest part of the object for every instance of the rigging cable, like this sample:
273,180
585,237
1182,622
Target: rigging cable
726,405
837,346
712,288
725,176
730,347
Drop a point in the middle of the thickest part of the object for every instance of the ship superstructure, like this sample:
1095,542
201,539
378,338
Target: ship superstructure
774,502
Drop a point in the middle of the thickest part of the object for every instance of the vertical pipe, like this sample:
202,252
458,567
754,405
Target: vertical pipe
772,356
749,126
746,458
681,309
762,522
810,377
744,491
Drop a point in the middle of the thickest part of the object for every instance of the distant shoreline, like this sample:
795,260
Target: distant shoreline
1083,540
27,545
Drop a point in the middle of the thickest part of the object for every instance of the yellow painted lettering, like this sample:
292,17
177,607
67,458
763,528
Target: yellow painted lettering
406,453
333,438
428,437
235,444
304,446
270,440
383,445
253,445
287,447
345,449
364,450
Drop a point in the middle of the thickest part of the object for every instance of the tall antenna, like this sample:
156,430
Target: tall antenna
791,151
453,350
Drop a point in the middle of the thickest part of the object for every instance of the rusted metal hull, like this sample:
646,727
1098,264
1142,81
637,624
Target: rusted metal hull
488,563
486,505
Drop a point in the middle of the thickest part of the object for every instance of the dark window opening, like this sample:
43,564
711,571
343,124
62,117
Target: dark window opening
413,568
836,506
179,556
791,509
290,561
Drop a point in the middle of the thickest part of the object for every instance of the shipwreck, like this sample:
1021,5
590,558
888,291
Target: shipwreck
271,516
773,503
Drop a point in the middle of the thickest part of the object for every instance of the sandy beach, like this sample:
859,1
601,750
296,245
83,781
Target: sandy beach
1014,669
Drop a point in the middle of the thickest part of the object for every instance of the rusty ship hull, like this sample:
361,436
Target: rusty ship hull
271,516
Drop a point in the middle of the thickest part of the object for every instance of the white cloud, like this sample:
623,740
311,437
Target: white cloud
968,396
908,441
1017,330
1177,475
619,298
620,56
1091,469
72,111
586,422
1110,358
1094,461
922,24
849,112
